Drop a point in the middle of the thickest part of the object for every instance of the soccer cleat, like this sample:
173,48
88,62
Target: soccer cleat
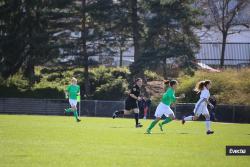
148,132
183,121
160,125
78,120
210,132
114,115
138,125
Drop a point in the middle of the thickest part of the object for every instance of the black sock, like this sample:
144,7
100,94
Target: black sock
119,112
136,118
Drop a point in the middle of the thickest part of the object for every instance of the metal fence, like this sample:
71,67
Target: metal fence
236,54
98,108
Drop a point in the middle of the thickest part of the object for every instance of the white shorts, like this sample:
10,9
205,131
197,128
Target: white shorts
163,109
201,108
73,102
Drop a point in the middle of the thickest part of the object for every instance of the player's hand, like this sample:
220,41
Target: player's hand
182,96
139,98
173,105
211,105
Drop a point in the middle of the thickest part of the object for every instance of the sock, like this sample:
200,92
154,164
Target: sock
208,124
119,112
167,120
68,110
152,125
189,118
75,114
136,118
145,112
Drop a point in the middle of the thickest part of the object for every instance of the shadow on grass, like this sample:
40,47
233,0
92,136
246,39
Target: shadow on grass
184,133
118,127
157,133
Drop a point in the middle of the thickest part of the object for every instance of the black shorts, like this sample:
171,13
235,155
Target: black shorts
130,104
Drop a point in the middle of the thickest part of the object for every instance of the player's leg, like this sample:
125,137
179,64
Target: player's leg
74,108
205,113
197,112
158,114
118,113
136,115
68,110
125,111
145,112
169,117
152,124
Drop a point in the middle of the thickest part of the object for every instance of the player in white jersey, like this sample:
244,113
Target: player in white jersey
201,106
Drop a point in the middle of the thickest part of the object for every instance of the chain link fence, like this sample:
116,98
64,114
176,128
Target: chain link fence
99,108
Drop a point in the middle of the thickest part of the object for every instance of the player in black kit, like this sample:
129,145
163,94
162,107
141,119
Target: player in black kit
131,105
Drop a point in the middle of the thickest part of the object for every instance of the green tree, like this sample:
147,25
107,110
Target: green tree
26,34
169,34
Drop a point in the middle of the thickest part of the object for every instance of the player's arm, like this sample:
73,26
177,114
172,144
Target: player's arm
67,91
131,94
208,102
78,91
181,96
134,96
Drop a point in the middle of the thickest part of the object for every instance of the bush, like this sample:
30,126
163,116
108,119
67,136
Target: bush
229,86
114,90
120,72
152,76
54,77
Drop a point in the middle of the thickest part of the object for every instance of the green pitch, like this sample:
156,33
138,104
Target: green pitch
53,141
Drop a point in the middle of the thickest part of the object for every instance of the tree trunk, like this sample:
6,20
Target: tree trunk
224,40
84,49
135,28
121,56
29,72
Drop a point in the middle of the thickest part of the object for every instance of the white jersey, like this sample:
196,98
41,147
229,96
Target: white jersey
201,105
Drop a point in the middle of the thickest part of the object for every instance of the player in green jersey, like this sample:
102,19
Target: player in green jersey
72,91
164,107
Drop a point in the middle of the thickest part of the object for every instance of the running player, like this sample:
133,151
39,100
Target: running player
201,106
71,92
131,105
164,107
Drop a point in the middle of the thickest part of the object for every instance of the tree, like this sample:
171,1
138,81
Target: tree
26,34
169,34
224,17
135,28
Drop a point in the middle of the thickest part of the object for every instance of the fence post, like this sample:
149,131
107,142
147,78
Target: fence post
95,106
233,113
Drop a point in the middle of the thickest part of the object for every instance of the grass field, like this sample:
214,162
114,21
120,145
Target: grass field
97,142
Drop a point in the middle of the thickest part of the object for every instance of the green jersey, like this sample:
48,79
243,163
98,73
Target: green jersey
168,97
73,90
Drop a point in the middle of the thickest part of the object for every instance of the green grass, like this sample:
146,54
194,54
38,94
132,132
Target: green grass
59,141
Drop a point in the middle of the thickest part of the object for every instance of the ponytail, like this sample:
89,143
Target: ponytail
200,85
170,82
166,82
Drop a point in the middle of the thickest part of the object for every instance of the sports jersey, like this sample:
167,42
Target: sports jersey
168,97
73,90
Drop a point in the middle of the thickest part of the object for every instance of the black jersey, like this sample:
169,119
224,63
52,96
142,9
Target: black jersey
130,101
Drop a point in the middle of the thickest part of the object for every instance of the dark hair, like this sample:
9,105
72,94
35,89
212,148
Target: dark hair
200,85
137,79
170,82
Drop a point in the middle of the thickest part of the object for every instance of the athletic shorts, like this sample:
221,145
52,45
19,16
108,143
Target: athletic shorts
130,104
163,109
73,102
201,108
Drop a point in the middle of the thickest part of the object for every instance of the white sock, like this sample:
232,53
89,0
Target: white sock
189,118
208,125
